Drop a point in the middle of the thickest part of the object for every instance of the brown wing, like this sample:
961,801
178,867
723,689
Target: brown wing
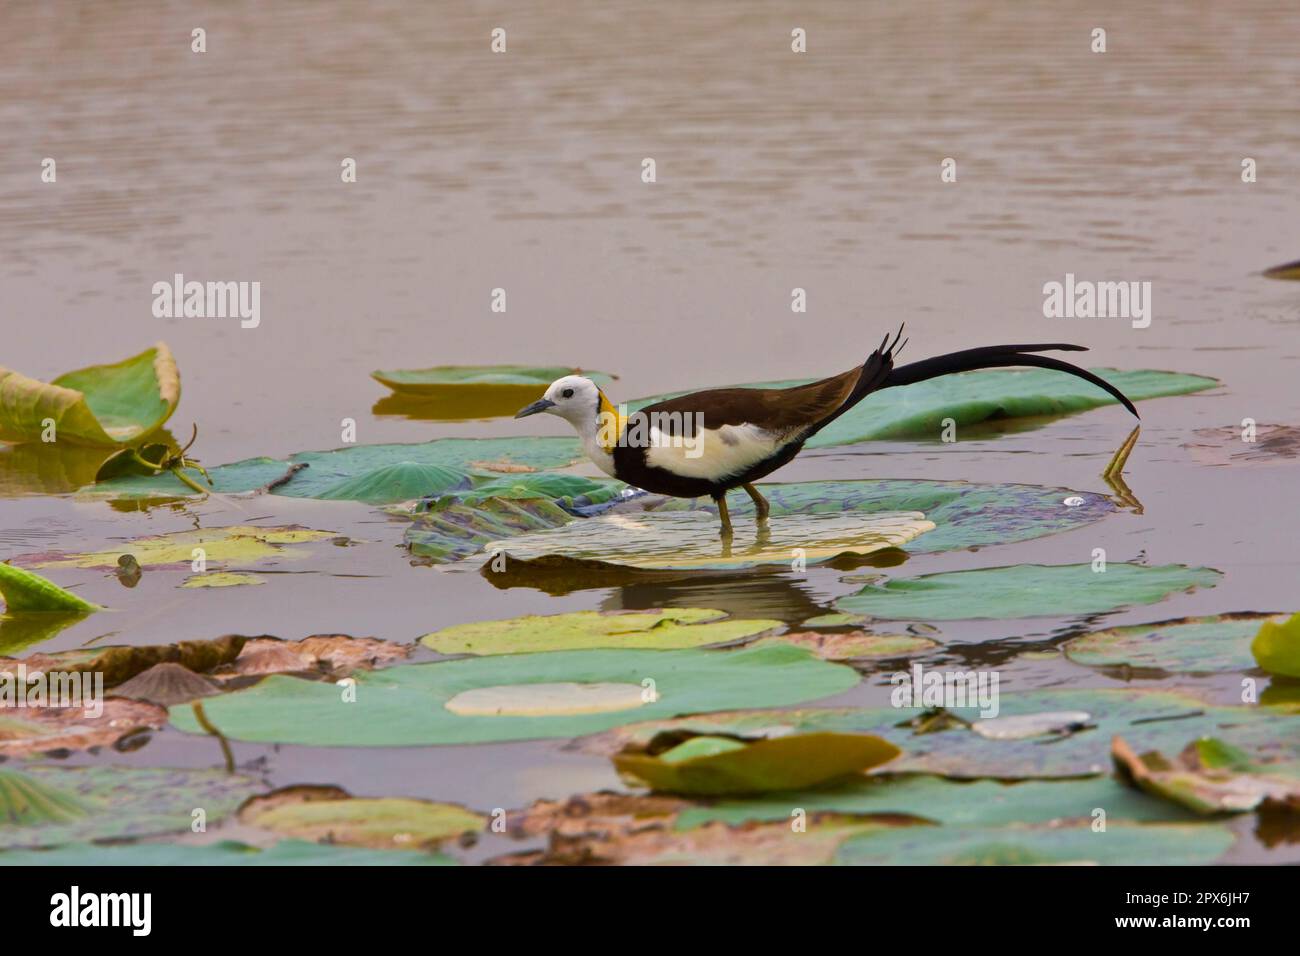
776,409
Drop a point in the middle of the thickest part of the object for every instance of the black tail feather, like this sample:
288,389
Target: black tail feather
1000,356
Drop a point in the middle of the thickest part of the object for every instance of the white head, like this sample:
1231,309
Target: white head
584,406
575,399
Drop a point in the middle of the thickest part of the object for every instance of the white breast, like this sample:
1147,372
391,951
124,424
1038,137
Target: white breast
714,453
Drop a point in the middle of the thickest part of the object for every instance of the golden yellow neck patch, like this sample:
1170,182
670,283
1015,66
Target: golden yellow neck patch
609,425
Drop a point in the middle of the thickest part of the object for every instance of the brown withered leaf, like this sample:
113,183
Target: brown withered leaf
326,655
120,664
28,731
608,828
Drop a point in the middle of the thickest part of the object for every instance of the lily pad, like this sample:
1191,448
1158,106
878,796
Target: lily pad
1206,789
25,592
167,685
224,853
327,470
439,380
688,541
1189,645
402,481
383,823
712,766
918,411
984,803
327,655
103,405
235,543
101,803
1024,590
966,515
408,705
1276,647
450,530
659,629
1150,719
1173,844
222,579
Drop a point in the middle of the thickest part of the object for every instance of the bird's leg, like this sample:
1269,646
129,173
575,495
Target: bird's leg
721,501
760,503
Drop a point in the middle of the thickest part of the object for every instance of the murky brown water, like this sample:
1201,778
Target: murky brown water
522,171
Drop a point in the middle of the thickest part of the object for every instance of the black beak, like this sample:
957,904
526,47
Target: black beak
541,405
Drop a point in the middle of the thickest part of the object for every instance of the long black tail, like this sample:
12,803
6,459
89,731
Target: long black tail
1000,356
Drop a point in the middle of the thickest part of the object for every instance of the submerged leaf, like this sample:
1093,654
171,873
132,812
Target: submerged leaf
1024,590
103,405
662,629
711,766
103,803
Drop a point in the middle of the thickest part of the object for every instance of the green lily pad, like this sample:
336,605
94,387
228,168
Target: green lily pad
1173,844
29,593
1150,719
711,766
918,411
224,853
103,405
417,704
1276,647
984,803
660,629
327,470
56,805
529,380
689,541
1024,590
1195,645
398,482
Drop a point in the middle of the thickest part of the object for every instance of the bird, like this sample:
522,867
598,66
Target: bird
713,441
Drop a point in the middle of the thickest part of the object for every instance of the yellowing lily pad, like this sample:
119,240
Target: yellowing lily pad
1197,645
689,541
103,405
527,380
407,705
235,543
384,823
711,766
662,629
222,579
1276,647
25,732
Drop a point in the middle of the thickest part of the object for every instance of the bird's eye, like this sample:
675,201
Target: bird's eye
567,393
